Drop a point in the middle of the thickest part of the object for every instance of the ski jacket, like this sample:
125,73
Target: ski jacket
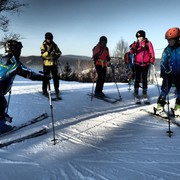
9,68
50,53
143,52
101,55
170,61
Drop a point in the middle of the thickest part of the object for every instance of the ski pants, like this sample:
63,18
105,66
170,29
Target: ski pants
51,70
3,106
101,71
167,84
141,73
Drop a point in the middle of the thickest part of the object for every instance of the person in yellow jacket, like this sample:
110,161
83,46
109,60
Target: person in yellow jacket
50,53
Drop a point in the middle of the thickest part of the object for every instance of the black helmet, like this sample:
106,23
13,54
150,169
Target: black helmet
141,33
103,38
48,35
13,46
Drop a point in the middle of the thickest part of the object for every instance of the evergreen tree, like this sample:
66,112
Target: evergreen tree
67,72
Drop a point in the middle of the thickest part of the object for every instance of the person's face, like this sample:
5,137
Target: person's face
103,43
140,38
171,42
49,40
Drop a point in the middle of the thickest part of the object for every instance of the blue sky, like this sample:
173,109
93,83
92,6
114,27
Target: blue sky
78,24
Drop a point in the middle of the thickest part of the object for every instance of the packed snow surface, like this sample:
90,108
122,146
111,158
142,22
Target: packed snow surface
96,140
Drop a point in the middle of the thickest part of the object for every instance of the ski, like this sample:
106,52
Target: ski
172,119
106,98
32,121
28,136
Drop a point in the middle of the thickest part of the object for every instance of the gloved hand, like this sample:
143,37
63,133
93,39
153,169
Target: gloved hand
96,56
108,58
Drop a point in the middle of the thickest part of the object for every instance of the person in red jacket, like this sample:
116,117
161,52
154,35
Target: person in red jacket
143,52
101,58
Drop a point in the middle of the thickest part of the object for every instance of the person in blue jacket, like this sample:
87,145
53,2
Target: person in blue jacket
170,70
10,66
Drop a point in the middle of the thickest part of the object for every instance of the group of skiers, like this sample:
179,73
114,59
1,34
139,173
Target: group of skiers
140,56
141,52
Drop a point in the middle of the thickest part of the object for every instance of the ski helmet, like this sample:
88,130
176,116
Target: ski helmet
13,46
141,33
103,38
172,33
48,35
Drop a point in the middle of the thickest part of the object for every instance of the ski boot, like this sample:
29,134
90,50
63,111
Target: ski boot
177,110
136,93
58,97
4,127
160,111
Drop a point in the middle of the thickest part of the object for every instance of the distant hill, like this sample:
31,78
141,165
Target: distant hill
77,63
73,60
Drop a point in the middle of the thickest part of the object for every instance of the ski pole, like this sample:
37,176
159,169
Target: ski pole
92,93
52,116
169,124
156,78
113,79
8,101
59,65
129,83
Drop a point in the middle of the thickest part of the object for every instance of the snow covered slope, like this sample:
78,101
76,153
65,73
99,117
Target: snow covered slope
96,140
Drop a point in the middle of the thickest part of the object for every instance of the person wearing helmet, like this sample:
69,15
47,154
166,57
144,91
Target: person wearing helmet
101,58
170,70
143,53
10,66
50,53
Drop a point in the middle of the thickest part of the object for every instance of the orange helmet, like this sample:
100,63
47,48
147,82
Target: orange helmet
172,33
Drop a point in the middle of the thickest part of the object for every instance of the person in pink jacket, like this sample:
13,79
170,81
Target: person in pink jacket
143,52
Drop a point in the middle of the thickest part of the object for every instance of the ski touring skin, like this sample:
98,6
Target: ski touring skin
32,121
34,134
173,119
106,98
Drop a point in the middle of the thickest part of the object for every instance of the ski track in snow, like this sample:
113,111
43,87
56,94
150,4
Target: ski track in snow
96,140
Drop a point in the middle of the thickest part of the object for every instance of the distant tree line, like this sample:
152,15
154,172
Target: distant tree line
117,71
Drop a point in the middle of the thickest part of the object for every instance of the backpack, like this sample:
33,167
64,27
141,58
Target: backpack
137,45
128,58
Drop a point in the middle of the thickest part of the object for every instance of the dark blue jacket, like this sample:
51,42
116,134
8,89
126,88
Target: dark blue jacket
9,68
170,61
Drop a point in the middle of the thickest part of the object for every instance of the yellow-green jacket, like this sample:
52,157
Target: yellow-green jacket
50,53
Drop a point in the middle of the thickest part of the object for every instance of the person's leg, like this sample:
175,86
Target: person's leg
137,69
165,88
101,71
3,126
145,70
55,78
46,71
177,103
